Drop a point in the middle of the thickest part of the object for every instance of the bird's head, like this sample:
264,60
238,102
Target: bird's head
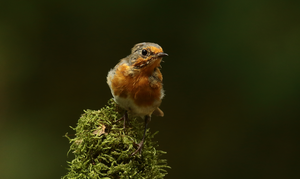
146,55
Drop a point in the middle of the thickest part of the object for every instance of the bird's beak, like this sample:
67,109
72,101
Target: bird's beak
162,54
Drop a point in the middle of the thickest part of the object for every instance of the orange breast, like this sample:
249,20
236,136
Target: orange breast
136,87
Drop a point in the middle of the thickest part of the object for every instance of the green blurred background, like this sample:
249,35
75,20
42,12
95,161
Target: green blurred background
231,79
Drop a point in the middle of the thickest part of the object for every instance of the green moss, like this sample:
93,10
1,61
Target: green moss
103,148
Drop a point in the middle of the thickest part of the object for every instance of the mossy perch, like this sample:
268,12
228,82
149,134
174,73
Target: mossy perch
103,149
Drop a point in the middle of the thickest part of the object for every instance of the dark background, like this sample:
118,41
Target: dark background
231,80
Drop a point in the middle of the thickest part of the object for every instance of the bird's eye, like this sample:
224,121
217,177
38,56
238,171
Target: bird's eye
144,52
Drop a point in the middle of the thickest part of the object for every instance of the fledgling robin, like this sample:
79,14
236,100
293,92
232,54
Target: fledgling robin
136,83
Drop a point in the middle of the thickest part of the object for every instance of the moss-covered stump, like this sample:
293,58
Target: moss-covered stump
103,148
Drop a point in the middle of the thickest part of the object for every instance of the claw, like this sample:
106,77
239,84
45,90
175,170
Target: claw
139,149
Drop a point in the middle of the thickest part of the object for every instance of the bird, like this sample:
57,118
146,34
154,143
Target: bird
136,84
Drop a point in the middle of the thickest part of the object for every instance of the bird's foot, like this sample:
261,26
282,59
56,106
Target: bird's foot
139,149
125,118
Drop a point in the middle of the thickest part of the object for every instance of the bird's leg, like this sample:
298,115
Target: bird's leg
125,118
140,145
